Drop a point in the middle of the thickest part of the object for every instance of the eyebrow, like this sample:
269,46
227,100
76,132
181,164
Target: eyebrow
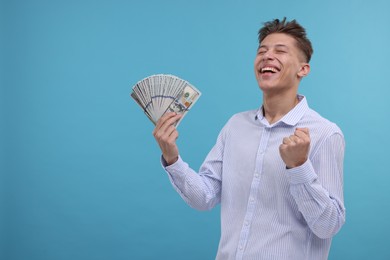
276,46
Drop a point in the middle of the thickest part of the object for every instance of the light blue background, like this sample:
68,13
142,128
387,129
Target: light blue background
80,171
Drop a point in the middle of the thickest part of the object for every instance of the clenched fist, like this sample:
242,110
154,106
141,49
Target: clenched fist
295,149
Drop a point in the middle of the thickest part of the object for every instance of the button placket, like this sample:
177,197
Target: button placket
253,193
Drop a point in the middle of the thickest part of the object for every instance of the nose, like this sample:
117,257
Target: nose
268,56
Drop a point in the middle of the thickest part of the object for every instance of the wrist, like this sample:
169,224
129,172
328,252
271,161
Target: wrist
170,161
293,165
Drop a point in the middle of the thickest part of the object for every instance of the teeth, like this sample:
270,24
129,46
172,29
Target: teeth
268,69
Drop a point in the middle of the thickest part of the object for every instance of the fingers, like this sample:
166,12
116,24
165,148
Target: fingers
288,140
173,135
300,135
166,134
283,147
299,140
165,121
295,148
292,139
165,118
304,130
170,134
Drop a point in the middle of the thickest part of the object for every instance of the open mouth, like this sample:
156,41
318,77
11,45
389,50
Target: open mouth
269,69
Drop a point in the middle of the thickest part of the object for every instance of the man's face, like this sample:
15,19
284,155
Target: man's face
279,64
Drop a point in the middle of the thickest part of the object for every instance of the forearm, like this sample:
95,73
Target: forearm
323,210
200,191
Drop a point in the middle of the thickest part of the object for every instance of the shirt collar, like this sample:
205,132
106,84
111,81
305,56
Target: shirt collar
291,118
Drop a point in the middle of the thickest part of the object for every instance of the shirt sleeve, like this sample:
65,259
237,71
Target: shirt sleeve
317,188
201,190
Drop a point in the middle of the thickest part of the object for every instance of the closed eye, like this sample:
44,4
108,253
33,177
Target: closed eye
261,50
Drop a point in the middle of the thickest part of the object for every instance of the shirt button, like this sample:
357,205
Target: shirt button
256,175
252,199
246,223
240,247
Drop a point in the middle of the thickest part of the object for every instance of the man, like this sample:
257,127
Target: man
277,171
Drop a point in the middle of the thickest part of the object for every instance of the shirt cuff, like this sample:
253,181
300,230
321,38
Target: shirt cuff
177,167
302,174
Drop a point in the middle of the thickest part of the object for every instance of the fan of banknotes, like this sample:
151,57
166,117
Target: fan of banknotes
162,93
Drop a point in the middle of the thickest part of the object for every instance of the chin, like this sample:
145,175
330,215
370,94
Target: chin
265,87
266,84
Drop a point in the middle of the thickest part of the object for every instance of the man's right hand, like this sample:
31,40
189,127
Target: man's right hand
166,134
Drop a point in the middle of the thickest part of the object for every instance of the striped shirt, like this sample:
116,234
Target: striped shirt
268,211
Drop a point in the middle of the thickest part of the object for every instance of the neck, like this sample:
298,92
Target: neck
276,106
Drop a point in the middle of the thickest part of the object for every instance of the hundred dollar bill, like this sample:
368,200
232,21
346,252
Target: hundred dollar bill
182,103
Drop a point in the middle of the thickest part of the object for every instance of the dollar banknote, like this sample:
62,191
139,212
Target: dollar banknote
162,93
182,103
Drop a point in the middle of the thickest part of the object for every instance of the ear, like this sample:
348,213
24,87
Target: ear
304,70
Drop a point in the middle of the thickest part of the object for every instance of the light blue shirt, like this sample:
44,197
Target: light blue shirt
268,211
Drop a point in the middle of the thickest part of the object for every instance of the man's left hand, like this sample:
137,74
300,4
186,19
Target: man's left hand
295,149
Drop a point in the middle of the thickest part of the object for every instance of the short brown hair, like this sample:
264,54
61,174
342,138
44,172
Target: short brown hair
292,28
